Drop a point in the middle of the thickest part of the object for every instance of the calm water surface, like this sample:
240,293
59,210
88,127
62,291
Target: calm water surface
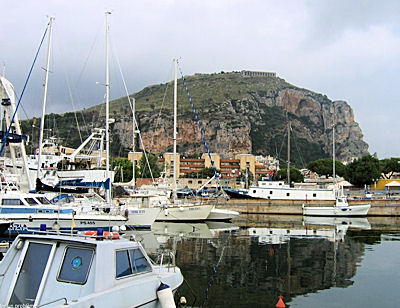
317,262
312,262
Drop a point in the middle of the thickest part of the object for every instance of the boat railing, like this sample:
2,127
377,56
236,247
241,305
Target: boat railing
170,263
54,301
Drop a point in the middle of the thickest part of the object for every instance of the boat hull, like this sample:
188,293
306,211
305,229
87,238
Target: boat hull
27,224
350,210
141,218
185,213
222,214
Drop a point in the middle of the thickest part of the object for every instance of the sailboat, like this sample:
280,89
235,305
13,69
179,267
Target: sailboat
341,206
177,210
96,269
29,211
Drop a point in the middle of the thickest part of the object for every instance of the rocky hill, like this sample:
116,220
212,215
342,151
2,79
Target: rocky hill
239,114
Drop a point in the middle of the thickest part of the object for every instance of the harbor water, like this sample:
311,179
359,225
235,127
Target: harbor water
321,262
311,262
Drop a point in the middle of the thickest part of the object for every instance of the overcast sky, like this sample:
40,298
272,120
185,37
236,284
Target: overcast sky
348,50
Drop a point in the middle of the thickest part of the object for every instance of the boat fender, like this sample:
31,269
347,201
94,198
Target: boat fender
166,212
126,213
181,209
165,296
182,301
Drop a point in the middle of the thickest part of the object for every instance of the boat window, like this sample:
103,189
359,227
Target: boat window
12,202
270,192
32,270
287,194
139,261
123,267
314,195
43,200
76,264
31,201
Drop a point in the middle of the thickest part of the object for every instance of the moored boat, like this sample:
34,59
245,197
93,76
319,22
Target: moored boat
100,270
28,211
340,208
222,214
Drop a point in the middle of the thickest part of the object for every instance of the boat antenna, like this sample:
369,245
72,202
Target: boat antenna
46,82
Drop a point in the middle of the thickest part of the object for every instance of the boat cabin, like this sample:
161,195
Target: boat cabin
52,270
15,202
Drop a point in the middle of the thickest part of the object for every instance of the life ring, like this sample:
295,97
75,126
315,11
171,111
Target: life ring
106,235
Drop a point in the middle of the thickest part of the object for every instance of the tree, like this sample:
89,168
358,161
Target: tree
363,171
325,167
124,166
203,173
154,166
389,166
295,175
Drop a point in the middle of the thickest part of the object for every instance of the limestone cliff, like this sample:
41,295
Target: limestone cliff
239,114
245,115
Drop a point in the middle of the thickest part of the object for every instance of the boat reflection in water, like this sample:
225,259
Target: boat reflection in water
261,260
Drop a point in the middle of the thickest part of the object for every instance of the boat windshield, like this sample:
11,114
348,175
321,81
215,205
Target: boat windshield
43,200
31,201
30,275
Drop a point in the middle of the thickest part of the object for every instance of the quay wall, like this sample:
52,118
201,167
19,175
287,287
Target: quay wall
289,207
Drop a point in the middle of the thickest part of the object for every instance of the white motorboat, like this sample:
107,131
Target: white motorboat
29,211
340,208
277,190
101,270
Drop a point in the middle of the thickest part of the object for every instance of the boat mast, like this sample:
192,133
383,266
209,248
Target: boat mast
175,121
44,97
288,155
333,157
133,142
108,191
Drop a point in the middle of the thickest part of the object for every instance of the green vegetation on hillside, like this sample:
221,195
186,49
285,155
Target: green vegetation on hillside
223,97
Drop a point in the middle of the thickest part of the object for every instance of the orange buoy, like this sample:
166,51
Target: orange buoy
280,303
